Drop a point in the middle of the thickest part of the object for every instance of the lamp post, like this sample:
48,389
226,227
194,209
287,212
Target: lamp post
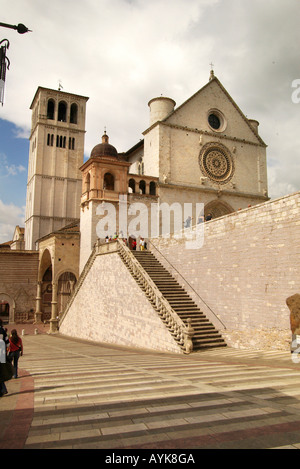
4,61
19,27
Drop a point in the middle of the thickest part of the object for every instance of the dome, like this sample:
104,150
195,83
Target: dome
104,148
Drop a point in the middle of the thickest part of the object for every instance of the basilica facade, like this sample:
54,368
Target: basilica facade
203,152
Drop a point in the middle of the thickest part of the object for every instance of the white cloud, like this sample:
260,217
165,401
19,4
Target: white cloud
13,170
122,53
10,217
7,169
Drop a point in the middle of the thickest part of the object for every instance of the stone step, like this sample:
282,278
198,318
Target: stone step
196,320
204,344
205,334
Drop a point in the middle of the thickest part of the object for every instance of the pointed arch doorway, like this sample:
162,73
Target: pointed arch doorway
217,208
66,284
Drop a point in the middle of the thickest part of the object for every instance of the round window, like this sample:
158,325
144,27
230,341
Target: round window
216,120
216,163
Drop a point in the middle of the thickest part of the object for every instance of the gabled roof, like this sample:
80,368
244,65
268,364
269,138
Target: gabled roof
213,79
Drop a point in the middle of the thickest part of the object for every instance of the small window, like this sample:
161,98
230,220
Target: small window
61,141
152,188
142,187
140,168
50,139
214,121
109,182
73,113
71,143
131,186
62,112
50,109
87,182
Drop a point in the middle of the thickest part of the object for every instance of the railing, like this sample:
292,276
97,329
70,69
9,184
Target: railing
186,282
181,332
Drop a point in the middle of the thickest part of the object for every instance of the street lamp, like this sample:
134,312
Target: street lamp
19,27
4,61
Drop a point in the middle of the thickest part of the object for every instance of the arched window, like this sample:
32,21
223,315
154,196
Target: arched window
141,167
50,109
71,143
152,188
131,185
62,112
87,182
142,187
109,182
50,138
61,141
73,113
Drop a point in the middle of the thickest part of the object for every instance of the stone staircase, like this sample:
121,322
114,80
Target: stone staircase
205,335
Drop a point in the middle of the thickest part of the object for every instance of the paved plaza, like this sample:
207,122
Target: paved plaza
80,395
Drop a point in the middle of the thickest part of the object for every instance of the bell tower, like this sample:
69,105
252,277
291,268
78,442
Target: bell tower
104,180
55,156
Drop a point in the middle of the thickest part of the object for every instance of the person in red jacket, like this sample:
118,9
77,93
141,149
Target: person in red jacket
15,349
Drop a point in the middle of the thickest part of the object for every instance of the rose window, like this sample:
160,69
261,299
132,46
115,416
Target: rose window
216,163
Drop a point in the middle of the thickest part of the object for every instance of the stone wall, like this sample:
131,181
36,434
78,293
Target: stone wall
111,308
247,267
172,149
18,281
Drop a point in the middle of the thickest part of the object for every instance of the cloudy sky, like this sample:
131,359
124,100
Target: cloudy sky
122,53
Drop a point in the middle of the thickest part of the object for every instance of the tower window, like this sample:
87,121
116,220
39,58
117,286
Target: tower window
152,188
142,187
71,143
109,182
60,141
50,109
87,182
50,139
62,112
131,185
73,113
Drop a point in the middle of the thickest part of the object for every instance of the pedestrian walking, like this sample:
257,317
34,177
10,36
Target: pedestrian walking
4,344
15,350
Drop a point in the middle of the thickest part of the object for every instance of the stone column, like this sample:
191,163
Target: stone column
54,315
38,313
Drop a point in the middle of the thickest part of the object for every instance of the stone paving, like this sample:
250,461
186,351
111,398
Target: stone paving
80,395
